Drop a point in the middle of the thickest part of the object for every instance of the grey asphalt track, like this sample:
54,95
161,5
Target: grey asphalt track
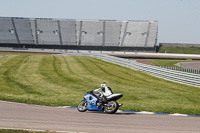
24,116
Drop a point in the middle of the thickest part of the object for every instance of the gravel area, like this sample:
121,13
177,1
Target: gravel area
195,65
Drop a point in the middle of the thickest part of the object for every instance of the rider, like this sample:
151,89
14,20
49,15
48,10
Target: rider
106,92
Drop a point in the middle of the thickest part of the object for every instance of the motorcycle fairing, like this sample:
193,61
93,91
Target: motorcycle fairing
91,102
114,97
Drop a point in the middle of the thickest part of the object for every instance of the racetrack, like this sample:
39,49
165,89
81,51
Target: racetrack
25,116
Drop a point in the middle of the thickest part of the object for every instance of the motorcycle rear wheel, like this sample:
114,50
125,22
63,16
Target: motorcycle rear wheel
82,107
112,107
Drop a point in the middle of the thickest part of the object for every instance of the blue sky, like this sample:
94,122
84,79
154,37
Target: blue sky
179,20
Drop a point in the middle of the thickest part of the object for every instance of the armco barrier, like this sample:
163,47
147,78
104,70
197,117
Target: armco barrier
172,75
189,70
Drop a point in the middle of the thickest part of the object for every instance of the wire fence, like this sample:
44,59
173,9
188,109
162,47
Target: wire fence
164,73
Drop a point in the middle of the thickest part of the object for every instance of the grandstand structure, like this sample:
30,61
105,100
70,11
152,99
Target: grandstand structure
112,35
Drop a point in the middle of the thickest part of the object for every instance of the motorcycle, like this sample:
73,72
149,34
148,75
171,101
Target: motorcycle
91,102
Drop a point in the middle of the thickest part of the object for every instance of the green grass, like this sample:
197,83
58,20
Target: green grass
180,50
168,63
18,131
63,80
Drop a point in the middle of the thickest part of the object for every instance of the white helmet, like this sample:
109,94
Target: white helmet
104,84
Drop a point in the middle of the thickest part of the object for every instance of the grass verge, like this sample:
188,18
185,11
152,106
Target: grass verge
168,63
63,80
180,50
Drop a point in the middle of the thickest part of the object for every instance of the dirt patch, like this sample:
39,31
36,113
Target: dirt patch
145,61
195,65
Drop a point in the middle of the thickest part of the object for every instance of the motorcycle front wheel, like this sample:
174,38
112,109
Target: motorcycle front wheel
82,107
111,107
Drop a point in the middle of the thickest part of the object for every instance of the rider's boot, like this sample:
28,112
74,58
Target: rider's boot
102,101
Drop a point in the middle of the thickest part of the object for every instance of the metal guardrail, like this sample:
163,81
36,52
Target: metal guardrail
189,70
168,74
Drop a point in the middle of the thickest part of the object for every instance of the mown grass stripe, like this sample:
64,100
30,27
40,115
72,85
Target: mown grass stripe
10,79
